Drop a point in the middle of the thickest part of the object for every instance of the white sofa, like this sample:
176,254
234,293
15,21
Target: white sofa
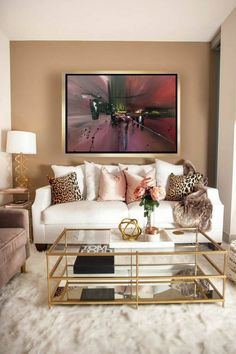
49,220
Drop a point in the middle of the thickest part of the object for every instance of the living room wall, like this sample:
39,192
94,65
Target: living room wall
36,82
226,181
5,115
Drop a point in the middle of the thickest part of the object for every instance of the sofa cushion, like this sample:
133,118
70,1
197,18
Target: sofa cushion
133,181
112,185
60,171
140,170
86,212
161,215
181,186
10,240
65,189
163,171
92,176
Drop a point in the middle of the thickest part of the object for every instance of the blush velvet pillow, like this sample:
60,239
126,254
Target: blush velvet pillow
112,185
133,181
92,178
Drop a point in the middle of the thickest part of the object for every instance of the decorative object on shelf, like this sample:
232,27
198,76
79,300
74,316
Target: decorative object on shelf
178,232
118,113
21,143
153,234
130,229
231,268
189,287
150,196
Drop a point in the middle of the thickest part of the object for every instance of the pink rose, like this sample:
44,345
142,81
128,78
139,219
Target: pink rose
147,182
139,192
158,193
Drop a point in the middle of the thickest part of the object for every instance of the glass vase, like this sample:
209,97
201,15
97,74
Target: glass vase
150,229
148,226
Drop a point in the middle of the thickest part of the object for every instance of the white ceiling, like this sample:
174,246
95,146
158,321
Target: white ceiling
135,20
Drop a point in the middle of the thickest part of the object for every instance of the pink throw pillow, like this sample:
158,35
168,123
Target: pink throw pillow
133,182
112,186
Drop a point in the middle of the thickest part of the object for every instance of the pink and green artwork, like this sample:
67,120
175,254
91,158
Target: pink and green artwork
120,113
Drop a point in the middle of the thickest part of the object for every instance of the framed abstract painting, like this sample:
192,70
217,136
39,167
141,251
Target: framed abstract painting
121,113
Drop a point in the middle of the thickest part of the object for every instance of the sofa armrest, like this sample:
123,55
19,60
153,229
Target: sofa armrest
16,218
213,195
216,232
41,202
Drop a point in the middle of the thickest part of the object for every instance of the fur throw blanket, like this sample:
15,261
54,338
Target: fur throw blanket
195,210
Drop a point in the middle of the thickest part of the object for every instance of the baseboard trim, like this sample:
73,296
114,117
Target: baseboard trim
227,238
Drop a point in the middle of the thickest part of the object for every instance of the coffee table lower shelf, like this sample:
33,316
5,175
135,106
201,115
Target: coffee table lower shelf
189,273
132,291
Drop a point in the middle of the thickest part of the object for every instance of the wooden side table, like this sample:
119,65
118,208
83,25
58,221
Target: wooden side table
19,203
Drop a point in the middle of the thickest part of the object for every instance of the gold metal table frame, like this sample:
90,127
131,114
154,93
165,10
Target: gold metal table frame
137,271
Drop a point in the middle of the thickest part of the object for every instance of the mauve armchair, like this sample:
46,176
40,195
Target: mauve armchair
14,242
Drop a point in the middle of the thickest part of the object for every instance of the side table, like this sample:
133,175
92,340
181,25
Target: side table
17,203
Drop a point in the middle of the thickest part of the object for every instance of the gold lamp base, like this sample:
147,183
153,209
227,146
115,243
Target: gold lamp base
20,169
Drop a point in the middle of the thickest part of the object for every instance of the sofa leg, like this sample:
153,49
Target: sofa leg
41,246
23,268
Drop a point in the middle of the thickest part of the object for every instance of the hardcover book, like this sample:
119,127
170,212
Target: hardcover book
98,294
94,265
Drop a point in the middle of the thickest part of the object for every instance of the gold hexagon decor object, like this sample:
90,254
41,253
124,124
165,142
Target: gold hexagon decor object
130,229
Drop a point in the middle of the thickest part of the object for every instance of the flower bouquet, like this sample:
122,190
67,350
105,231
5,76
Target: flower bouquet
150,196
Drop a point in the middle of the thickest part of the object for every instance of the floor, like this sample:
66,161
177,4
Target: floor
27,325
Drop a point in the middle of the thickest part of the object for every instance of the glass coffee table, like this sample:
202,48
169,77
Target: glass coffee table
98,267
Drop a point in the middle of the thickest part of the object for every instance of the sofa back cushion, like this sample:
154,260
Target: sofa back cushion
92,177
133,181
163,171
140,170
181,186
112,185
60,171
65,189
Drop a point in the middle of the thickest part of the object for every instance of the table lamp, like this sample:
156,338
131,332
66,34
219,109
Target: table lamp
21,143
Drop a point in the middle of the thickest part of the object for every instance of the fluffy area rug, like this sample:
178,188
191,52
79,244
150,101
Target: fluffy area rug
27,325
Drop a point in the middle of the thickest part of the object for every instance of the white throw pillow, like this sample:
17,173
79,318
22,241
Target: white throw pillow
140,170
60,171
163,171
92,177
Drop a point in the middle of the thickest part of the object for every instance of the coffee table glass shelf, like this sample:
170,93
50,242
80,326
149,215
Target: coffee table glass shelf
98,267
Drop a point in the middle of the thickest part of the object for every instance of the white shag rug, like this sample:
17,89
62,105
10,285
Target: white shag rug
28,326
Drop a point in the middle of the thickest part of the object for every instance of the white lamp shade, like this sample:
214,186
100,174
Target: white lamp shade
21,142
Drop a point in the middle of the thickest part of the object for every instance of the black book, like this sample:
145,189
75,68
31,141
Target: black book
94,265
105,294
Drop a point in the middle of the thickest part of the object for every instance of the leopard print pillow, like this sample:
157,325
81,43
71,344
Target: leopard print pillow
65,189
181,186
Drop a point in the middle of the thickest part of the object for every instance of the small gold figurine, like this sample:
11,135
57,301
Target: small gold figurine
130,229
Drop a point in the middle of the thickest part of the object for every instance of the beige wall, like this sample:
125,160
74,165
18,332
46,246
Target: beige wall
226,176
5,116
36,68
